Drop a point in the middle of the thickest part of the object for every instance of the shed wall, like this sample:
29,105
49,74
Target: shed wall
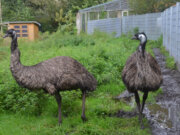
32,30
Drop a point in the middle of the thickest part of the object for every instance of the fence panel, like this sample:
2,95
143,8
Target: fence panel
112,25
171,31
148,23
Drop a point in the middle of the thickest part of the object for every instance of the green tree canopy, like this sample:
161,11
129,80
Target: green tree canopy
47,12
150,6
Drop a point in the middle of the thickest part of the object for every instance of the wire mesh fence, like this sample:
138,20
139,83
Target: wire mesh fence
171,30
148,23
166,23
111,25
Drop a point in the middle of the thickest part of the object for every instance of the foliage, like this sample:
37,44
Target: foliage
13,10
136,30
150,6
170,62
66,23
50,13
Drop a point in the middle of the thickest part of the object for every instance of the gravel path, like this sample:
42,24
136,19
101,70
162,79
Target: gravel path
164,116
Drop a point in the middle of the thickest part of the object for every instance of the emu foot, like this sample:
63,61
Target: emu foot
84,119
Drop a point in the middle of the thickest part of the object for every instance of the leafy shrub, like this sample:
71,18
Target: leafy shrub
15,99
135,30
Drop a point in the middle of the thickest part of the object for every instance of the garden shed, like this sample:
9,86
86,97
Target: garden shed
106,11
25,29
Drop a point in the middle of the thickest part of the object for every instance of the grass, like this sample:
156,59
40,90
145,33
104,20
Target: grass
170,62
46,125
23,112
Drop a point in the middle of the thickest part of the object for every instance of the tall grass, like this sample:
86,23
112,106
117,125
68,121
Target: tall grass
170,61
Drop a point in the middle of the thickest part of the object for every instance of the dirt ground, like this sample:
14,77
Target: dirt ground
164,116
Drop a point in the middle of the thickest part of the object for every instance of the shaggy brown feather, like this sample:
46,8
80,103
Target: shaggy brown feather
54,75
141,73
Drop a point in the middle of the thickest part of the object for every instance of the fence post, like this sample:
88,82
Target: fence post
165,29
177,35
170,36
121,26
146,24
168,29
176,38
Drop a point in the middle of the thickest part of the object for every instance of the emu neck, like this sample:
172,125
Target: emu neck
142,47
15,55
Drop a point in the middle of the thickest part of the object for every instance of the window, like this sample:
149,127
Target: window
112,14
24,26
16,26
103,15
17,31
24,35
125,13
93,15
24,31
18,35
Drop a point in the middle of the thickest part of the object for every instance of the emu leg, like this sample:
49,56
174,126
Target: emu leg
138,105
83,106
58,99
144,100
143,103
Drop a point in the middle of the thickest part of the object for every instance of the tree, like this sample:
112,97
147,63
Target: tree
150,6
14,10
47,12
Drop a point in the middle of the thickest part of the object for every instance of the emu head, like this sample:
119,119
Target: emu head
141,37
10,33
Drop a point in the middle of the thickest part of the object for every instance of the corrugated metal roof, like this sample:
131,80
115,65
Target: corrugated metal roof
23,22
108,6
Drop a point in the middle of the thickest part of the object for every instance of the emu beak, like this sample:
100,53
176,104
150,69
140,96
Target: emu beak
5,36
134,37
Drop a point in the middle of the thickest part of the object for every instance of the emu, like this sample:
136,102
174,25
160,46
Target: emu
53,76
141,72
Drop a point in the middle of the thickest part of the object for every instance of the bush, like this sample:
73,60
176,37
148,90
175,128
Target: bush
135,30
15,99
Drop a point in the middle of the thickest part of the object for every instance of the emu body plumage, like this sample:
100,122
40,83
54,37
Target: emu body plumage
141,73
54,75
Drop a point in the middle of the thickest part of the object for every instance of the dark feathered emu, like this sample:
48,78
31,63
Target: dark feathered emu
53,75
141,72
